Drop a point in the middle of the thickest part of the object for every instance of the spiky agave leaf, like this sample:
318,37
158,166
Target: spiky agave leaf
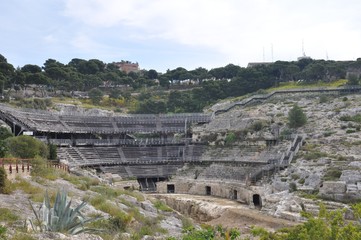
62,217
37,217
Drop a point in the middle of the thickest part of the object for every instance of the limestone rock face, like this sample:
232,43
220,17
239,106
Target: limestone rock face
173,225
351,176
331,187
56,235
148,206
69,109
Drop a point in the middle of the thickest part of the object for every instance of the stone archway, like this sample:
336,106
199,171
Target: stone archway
257,201
170,188
208,190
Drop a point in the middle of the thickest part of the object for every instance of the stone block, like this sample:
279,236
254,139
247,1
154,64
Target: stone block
333,187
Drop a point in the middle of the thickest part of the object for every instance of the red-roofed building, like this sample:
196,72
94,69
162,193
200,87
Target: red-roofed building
127,66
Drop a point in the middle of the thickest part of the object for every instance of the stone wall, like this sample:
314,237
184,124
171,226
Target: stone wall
341,191
227,190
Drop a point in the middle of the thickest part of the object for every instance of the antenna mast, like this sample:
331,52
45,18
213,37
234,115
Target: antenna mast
303,49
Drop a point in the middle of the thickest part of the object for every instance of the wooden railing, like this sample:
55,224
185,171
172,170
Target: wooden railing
20,165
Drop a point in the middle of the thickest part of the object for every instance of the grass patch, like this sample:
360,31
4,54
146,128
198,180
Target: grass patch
312,196
162,206
348,131
7,215
22,236
101,203
332,174
41,169
313,155
328,133
347,118
186,223
107,191
294,85
36,193
295,176
82,183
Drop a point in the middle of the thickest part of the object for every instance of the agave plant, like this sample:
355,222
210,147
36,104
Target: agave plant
61,217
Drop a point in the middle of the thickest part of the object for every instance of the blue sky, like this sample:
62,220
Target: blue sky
166,34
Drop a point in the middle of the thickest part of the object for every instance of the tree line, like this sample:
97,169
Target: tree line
213,85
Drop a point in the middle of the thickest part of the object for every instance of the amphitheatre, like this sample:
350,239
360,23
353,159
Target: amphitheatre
191,153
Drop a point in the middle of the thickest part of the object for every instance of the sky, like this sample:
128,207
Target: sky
166,34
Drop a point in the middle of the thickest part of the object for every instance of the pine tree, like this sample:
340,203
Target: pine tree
296,117
2,179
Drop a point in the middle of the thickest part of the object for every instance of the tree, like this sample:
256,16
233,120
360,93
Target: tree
26,147
152,74
96,95
353,80
30,68
296,117
3,178
5,133
115,93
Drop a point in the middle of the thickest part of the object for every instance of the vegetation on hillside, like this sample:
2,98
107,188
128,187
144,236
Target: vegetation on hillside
296,117
212,85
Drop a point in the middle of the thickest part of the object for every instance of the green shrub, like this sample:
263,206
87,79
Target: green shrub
26,147
230,138
3,179
301,181
292,187
328,133
110,226
186,222
52,152
2,232
257,126
5,133
350,131
295,176
323,99
296,117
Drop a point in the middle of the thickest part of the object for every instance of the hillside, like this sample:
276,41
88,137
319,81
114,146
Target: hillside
326,169
327,166
124,214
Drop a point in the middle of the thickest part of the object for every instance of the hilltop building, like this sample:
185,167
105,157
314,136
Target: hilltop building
127,66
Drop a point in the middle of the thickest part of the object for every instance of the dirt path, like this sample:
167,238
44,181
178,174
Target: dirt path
229,213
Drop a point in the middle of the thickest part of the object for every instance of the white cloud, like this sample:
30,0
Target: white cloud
85,44
237,29
50,39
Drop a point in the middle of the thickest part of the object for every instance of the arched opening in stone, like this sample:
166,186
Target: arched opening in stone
170,188
208,190
235,193
257,201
